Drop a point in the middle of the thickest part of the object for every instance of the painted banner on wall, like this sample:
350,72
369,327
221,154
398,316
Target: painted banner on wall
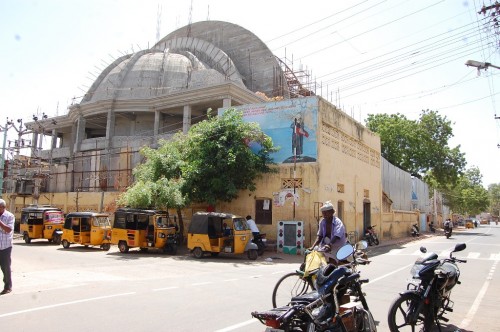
292,125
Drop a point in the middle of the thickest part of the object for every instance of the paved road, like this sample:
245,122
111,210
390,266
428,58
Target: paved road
86,289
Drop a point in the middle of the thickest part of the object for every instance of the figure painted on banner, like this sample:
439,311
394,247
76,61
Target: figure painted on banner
6,239
331,232
298,133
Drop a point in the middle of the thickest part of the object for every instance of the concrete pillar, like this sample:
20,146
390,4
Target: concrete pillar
34,143
186,119
226,102
53,144
156,127
110,128
80,133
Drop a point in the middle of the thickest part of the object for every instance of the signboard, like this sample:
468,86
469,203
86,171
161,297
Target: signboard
290,238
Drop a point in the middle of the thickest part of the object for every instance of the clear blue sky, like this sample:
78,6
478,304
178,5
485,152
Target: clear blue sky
377,56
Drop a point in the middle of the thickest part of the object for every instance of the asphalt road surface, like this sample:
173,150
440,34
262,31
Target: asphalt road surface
86,289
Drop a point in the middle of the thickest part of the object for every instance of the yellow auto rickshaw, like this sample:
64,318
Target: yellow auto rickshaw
469,223
41,222
144,228
88,229
213,232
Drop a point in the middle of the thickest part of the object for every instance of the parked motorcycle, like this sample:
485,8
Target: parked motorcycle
427,298
260,241
432,228
339,304
415,231
370,236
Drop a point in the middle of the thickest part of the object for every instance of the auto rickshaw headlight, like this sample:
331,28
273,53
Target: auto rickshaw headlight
162,235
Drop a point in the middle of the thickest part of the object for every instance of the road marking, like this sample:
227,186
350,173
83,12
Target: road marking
202,283
475,306
395,251
473,255
237,326
63,304
388,274
166,288
495,257
255,276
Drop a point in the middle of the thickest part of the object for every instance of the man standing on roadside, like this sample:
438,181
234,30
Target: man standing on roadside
331,231
6,238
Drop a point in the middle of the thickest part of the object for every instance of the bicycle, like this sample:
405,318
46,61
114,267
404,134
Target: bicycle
303,280
299,282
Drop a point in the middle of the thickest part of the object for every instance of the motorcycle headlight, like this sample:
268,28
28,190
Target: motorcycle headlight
415,270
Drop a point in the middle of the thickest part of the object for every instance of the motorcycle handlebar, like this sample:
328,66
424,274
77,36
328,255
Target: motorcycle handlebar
344,280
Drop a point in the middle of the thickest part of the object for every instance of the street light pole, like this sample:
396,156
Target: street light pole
2,161
480,65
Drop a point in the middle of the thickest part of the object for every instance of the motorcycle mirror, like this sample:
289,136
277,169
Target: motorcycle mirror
460,247
344,252
423,249
361,245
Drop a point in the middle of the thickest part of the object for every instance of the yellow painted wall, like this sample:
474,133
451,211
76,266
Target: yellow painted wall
348,170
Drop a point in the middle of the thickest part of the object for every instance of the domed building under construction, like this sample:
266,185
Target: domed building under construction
152,94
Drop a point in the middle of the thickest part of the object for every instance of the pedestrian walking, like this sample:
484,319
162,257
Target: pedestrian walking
6,238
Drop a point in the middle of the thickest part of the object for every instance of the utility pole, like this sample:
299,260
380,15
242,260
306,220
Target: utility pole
8,124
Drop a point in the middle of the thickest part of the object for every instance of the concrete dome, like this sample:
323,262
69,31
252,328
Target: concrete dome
197,56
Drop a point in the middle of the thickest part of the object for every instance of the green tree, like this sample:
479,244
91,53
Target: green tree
494,195
218,161
419,147
469,197
209,164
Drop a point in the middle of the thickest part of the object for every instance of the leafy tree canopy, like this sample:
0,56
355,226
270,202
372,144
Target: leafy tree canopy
494,195
420,147
468,197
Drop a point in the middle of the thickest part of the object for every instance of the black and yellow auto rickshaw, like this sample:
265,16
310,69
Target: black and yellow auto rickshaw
213,232
88,229
41,222
144,229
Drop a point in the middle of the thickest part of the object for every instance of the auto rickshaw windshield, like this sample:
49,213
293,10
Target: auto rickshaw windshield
101,222
54,217
240,224
162,222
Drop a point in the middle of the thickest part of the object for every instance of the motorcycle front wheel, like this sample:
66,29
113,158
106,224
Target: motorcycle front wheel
290,285
403,315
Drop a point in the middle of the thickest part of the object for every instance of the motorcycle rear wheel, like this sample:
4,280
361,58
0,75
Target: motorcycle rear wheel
403,317
290,285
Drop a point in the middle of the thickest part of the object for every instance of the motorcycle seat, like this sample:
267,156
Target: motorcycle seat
305,298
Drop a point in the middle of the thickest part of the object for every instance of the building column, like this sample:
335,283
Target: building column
186,119
53,144
110,128
156,127
226,102
80,133
34,144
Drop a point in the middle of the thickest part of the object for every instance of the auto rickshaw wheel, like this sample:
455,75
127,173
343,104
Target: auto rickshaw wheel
252,254
65,244
26,238
56,238
106,246
197,252
123,246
